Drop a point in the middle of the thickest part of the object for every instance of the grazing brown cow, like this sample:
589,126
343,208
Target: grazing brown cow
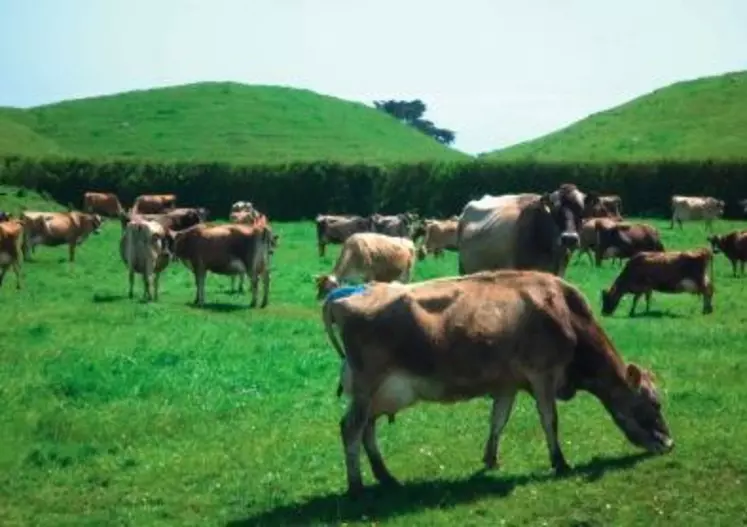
439,236
227,250
623,240
665,272
10,249
688,208
588,236
102,203
333,229
489,333
57,228
372,256
520,231
153,203
146,248
734,247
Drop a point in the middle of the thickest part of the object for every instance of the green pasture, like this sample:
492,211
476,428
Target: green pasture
115,412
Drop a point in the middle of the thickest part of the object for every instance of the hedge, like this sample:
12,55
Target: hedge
301,191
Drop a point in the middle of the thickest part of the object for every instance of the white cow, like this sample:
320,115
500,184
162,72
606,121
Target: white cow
146,248
689,208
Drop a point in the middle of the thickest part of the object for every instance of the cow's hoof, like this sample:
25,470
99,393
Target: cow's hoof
263,305
389,481
562,469
355,492
491,463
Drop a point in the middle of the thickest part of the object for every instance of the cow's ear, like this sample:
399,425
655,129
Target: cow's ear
546,202
633,376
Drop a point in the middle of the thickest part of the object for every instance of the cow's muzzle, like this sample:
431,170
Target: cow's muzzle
569,240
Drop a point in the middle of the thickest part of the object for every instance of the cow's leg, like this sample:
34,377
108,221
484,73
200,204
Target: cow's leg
131,274
543,390
17,271
502,406
71,251
734,266
156,281
2,275
636,296
321,248
200,285
242,277
741,267
380,472
352,425
254,285
265,288
707,292
648,301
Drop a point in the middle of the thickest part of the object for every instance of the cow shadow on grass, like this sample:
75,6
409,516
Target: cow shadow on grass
220,307
656,313
379,503
107,298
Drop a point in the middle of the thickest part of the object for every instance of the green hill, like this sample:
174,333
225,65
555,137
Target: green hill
217,122
704,118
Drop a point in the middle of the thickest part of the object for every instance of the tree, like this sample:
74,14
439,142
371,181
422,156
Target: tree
411,113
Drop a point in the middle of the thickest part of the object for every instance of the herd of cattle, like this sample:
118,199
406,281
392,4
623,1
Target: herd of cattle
516,322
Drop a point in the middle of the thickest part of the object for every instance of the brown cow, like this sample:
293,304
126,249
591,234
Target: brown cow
623,240
520,231
173,220
665,272
439,236
146,248
103,203
10,249
153,203
57,228
488,333
734,247
227,250
336,229
588,236
372,256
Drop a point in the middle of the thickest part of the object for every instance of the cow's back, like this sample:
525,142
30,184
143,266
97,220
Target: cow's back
386,255
135,245
488,232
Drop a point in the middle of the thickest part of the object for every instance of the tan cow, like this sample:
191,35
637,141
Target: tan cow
251,218
588,235
521,231
439,235
491,333
11,232
153,203
146,248
103,203
370,256
57,228
227,250
692,208
665,272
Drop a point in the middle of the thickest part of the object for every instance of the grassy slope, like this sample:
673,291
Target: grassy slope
17,138
231,122
119,412
698,119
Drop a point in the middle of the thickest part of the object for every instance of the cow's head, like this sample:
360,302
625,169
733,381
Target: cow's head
325,284
421,253
566,207
610,300
636,409
168,241
95,222
717,243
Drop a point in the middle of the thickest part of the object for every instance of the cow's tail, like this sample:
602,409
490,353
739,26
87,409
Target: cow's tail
329,322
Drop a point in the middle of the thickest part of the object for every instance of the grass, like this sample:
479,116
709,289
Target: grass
118,412
214,121
699,119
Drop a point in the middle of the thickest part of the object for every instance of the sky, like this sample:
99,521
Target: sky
496,72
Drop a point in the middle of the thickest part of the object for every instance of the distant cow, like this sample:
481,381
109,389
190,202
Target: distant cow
371,256
734,247
612,203
440,236
492,334
102,203
336,229
689,208
520,231
153,203
57,228
242,206
398,225
244,216
743,205
588,236
624,240
10,249
227,250
597,206
665,272
146,248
